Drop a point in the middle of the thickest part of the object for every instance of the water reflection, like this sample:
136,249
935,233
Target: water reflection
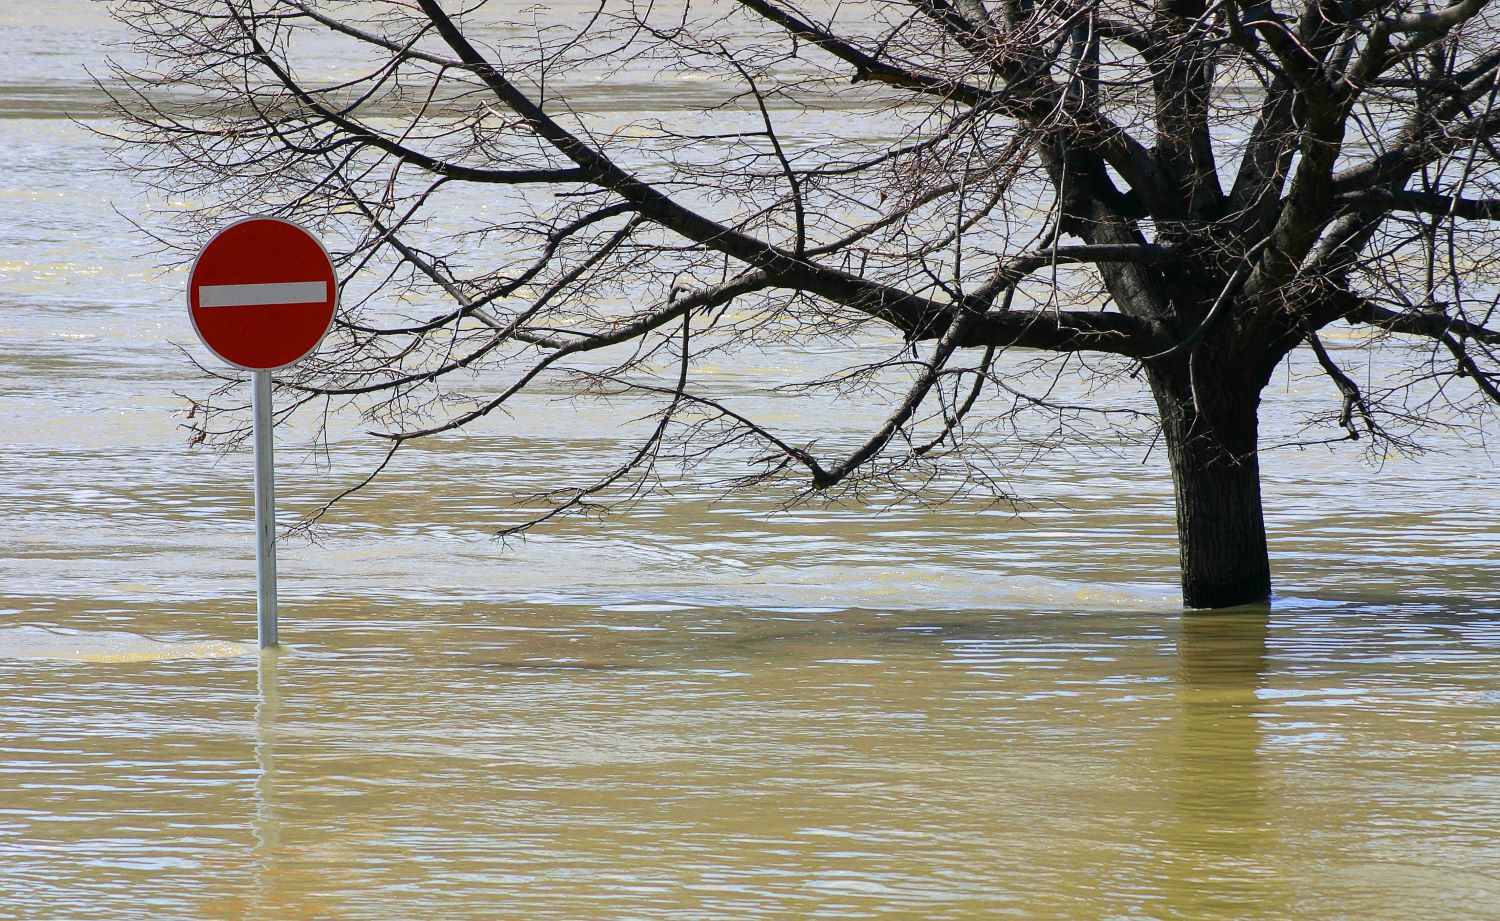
1219,831
267,823
457,763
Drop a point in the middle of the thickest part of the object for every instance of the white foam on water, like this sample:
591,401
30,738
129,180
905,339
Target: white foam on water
106,646
926,588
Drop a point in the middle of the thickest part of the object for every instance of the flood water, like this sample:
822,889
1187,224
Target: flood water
704,706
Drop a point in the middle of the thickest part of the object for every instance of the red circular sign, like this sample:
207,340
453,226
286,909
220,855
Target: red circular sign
262,293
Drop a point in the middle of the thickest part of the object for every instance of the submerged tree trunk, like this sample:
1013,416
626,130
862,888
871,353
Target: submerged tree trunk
1210,426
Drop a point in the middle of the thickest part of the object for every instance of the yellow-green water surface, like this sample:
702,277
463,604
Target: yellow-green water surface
653,761
701,708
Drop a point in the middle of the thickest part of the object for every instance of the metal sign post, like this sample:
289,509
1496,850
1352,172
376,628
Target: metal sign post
265,512
261,296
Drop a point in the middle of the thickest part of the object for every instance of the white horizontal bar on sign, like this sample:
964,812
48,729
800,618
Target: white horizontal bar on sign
285,292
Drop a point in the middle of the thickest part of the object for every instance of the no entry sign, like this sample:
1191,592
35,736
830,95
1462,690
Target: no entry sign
262,294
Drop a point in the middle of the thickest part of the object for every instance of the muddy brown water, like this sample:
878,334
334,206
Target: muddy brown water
701,707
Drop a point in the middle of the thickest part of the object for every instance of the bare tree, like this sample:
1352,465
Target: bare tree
1187,189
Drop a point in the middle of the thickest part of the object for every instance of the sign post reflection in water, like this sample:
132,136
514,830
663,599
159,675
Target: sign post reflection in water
261,296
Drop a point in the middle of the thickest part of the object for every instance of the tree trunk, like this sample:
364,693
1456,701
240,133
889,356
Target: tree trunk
1211,432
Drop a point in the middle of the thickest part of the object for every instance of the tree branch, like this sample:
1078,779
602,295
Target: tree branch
867,66
1432,324
1479,209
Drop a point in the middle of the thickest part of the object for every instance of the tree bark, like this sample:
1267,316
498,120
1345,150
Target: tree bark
1211,428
